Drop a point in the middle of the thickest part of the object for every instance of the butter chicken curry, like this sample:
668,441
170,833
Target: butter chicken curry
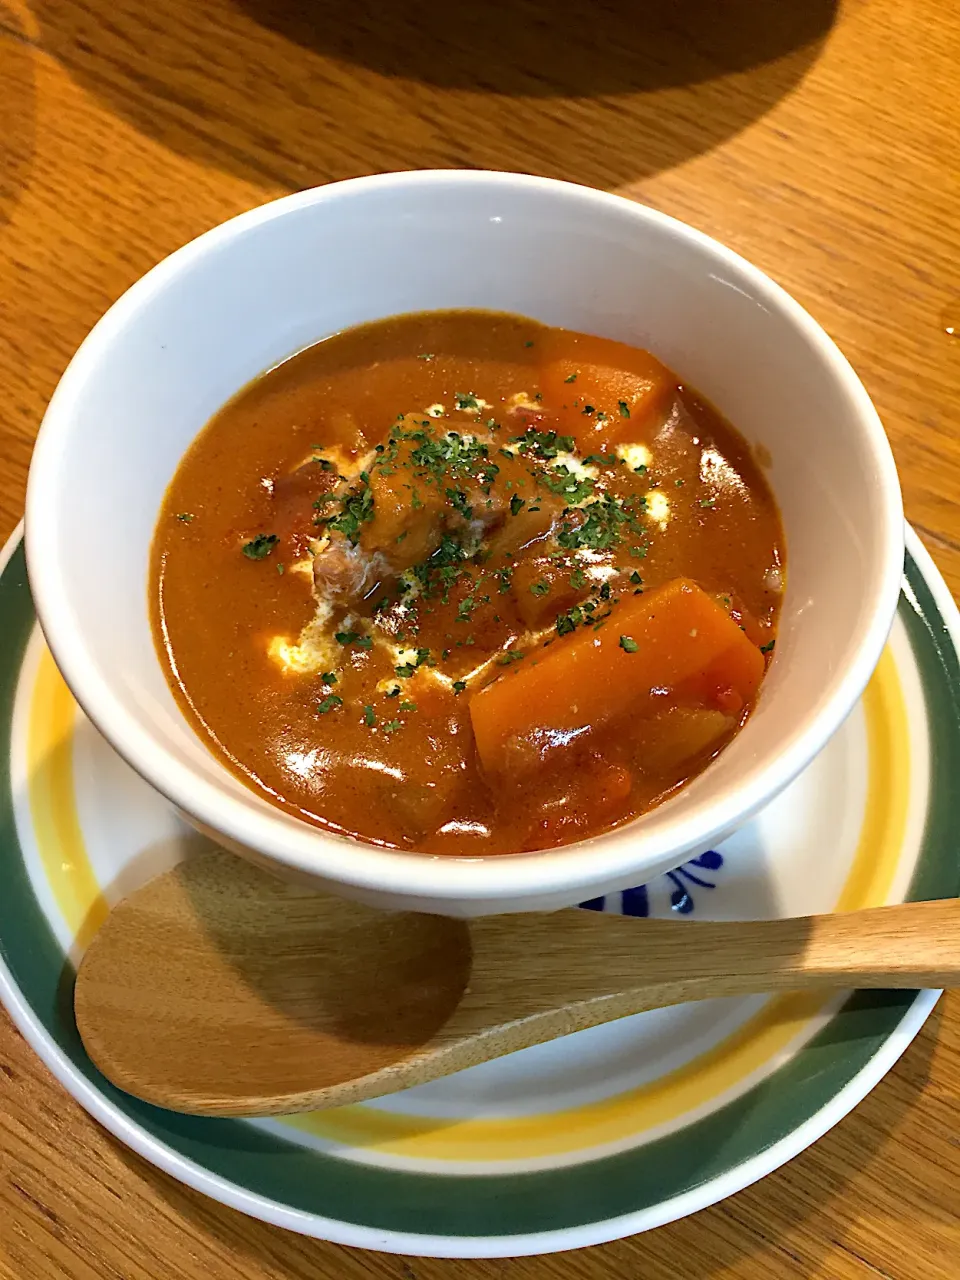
461,583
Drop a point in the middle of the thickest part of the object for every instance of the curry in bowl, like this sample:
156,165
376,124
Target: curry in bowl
461,583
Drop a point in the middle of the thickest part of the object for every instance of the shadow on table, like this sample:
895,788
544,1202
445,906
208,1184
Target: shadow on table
764,1222
17,111
302,91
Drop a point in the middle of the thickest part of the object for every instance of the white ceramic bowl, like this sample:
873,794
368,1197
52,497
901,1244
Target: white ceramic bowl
245,295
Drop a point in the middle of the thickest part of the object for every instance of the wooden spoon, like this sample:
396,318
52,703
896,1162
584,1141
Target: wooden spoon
220,990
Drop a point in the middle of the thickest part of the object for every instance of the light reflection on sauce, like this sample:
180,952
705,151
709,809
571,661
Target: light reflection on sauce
464,828
715,469
303,763
378,766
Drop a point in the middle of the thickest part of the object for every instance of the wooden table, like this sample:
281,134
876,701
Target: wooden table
820,141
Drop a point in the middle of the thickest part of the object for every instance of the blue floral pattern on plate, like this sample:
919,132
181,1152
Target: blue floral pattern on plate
689,877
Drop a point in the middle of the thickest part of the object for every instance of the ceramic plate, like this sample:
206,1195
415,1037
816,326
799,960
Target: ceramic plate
603,1134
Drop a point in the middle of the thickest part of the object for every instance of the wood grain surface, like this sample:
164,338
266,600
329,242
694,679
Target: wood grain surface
817,138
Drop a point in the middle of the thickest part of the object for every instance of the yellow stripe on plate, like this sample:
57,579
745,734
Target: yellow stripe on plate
718,1071
63,854
624,1116
888,791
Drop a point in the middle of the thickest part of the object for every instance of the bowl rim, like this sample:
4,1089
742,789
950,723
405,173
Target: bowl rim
366,867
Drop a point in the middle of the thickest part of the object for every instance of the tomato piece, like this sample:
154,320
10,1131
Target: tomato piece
604,393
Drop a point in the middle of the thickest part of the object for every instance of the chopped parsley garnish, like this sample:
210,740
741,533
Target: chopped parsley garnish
261,546
578,578
325,464
280,568
329,677
459,686
369,718
624,409
503,577
768,647
516,504
450,455
329,703
569,621
588,409
185,516
629,644
407,706
708,502
635,578
528,343
354,637
356,508
437,574
540,588
407,669
510,655
544,444
391,726
427,355
458,500
641,470
678,483
568,485
601,459
465,400
606,519
572,378
393,693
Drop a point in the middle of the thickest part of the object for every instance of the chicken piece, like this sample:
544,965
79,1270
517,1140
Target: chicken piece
294,495
341,571
426,485
389,520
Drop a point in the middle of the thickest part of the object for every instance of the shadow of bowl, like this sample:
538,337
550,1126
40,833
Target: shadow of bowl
297,92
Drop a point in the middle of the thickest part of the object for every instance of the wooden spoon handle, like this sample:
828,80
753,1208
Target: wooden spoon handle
913,944
538,976
576,956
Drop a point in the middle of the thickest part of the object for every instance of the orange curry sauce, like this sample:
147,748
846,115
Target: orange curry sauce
461,583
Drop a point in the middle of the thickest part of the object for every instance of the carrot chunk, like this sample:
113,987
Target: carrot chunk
673,640
603,393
